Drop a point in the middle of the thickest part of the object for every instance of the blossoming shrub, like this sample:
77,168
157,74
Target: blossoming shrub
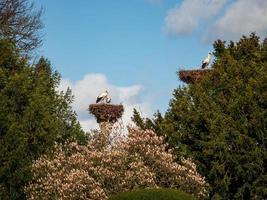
95,172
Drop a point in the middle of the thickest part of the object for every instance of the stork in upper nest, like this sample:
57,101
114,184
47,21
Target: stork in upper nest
206,61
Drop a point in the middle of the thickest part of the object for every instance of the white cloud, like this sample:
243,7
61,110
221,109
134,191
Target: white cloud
242,17
224,19
86,90
185,18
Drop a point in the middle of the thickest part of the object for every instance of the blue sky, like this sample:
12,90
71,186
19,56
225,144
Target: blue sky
138,44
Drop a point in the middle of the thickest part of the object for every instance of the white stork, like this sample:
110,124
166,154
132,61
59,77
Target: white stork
108,99
103,97
206,61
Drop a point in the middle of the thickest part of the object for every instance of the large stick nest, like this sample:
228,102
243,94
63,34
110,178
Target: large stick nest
106,112
192,76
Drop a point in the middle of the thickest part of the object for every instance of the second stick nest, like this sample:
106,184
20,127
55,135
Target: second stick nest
192,76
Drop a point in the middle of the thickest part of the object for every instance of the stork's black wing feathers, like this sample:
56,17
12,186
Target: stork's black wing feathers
204,65
98,99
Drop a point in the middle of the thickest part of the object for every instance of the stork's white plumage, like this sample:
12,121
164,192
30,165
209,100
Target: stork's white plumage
108,99
102,97
206,61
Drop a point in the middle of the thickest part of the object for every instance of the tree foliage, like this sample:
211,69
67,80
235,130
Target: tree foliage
153,194
21,23
33,116
222,120
147,123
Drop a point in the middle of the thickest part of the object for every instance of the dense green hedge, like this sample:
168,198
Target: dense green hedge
153,194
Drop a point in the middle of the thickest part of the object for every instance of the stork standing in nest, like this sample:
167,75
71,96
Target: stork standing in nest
206,61
103,97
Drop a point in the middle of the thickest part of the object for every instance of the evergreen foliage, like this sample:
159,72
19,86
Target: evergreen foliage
146,123
153,194
222,120
33,116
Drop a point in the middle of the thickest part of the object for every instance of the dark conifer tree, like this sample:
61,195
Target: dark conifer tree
222,120
33,116
146,123
138,120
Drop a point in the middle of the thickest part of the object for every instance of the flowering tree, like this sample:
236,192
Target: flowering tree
94,171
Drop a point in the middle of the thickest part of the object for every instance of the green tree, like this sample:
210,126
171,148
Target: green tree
146,123
33,116
222,121
138,120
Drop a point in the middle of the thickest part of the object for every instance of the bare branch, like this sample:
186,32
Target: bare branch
21,22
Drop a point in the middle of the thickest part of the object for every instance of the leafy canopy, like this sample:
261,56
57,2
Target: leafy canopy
222,120
33,116
153,194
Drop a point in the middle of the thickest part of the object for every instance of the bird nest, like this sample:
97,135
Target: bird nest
106,112
192,76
